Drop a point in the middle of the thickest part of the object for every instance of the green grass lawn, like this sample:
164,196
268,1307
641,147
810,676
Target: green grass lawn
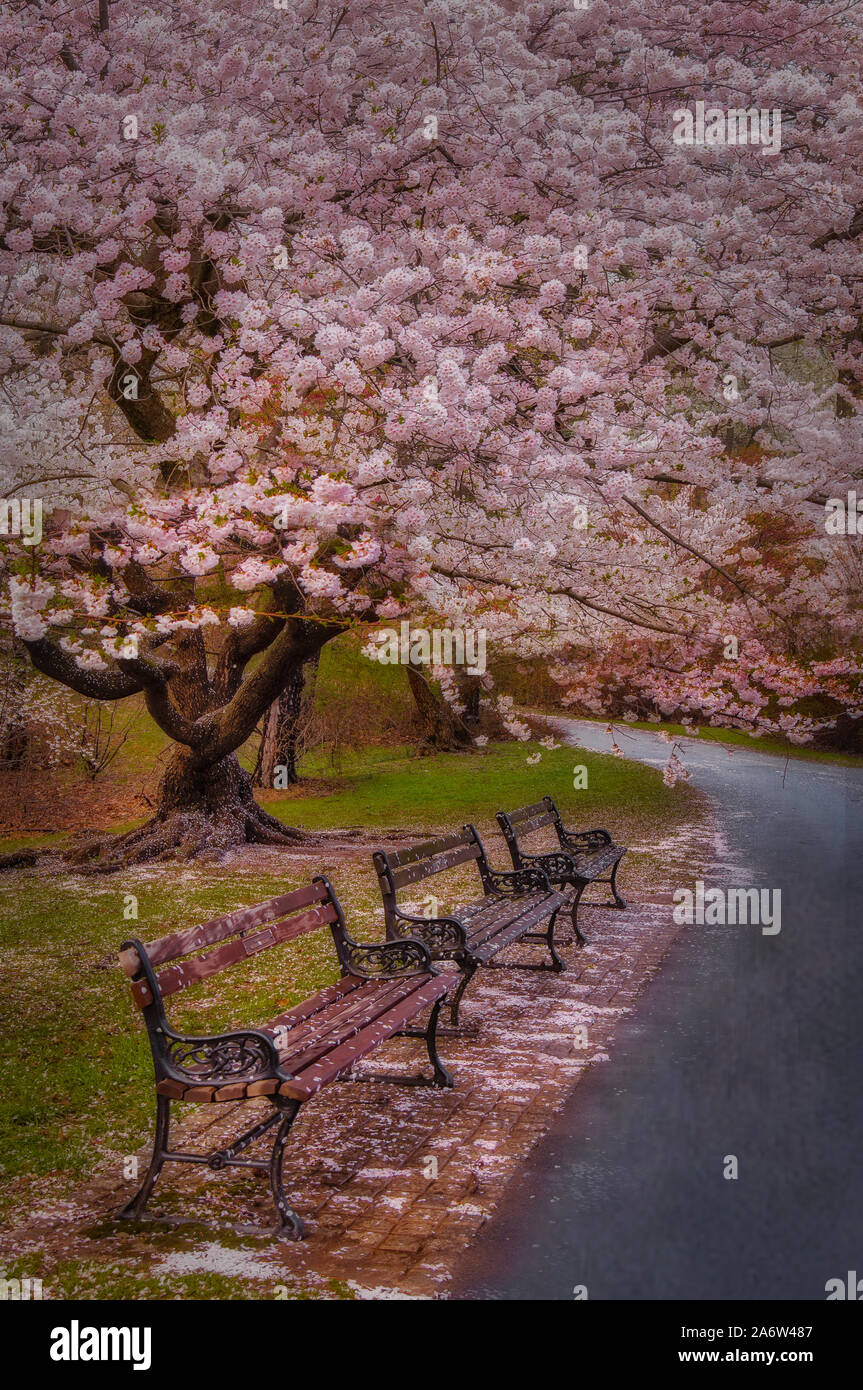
389,787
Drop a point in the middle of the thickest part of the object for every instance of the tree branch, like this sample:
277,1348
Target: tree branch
153,676
97,685
298,640
495,581
684,545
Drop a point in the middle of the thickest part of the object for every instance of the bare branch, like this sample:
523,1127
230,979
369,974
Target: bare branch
684,545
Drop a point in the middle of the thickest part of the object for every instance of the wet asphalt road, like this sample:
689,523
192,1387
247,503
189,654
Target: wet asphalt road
744,1044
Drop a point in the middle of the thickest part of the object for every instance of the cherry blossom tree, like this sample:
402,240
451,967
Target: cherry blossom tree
320,316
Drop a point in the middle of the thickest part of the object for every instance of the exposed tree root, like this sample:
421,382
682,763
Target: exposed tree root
22,858
203,813
436,744
184,835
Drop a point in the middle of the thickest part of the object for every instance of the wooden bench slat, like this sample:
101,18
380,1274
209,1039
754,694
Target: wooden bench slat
215,1090
591,865
182,943
484,951
527,827
508,932
300,1012
439,863
324,1019
538,808
364,1007
189,972
428,849
500,915
323,1071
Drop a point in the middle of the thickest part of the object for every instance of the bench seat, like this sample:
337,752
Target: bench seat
474,933
340,1031
591,866
497,921
383,987
322,1038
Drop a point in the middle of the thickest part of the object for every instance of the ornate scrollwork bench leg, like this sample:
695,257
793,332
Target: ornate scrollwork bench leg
286,1112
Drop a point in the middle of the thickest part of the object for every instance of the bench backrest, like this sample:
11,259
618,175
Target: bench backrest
525,821
235,937
406,866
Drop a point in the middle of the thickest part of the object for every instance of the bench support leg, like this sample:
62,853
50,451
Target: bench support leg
134,1209
618,900
291,1226
442,1077
468,970
556,962
580,938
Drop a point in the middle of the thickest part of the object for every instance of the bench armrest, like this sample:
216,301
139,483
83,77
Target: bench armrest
556,864
388,960
516,880
585,839
438,933
238,1056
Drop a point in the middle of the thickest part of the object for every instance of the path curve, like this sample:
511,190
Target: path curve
745,1044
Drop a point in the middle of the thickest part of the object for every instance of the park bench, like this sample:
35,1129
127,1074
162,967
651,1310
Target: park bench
288,1059
585,856
511,906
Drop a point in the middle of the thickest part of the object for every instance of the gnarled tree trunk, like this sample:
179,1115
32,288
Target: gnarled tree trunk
203,808
205,800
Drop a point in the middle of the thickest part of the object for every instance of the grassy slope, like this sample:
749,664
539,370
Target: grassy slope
388,787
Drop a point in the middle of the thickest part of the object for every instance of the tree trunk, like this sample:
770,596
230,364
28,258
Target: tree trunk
16,746
470,690
279,742
16,737
443,730
203,808
205,800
